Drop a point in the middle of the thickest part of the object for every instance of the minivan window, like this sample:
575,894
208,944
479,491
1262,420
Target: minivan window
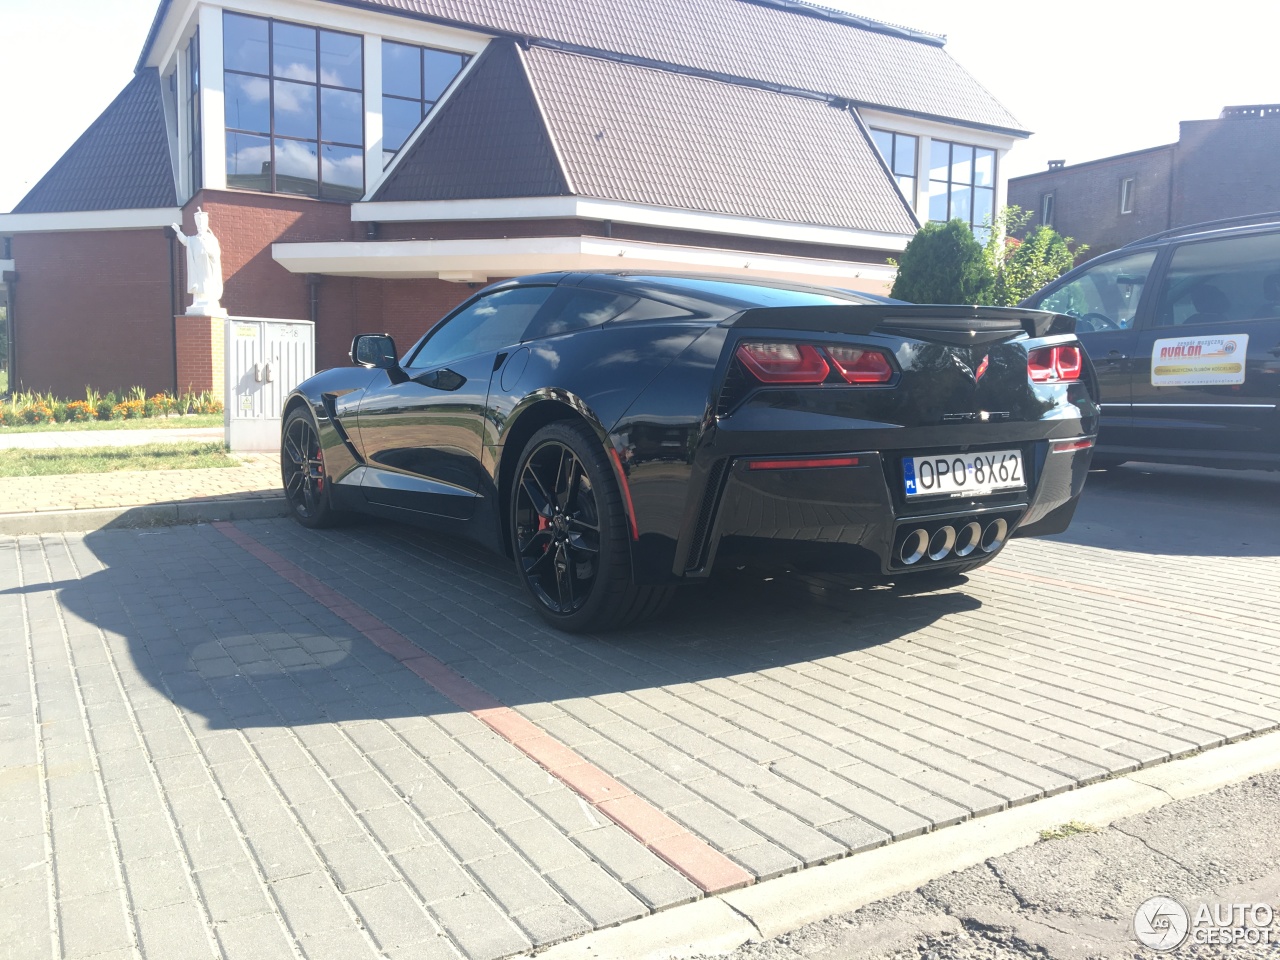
1104,297
1222,281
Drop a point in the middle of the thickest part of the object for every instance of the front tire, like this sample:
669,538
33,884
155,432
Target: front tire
570,535
306,485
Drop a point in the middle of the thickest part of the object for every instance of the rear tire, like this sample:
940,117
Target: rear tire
302,472
570,535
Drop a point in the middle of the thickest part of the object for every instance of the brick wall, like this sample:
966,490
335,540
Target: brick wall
1087,198
201,353
1226,168
93,308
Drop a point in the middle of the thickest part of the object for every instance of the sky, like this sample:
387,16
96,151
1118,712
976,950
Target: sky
1090,78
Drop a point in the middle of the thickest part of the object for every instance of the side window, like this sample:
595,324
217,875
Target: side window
574,309
488,325
1104,297
1222,281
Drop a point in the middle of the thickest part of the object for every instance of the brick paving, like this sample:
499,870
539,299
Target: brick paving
198,757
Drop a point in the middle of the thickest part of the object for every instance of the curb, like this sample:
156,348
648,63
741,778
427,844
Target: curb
148,515
721,924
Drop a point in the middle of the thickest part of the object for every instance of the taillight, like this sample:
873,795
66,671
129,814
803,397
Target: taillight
1055,363
861,366
783,362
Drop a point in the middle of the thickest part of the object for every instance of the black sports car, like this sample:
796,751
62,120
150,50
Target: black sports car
617,434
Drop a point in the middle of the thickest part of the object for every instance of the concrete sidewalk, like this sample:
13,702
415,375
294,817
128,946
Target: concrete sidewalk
85,502
79,439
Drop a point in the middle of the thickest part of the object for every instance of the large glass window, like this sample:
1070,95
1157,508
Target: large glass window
899,152
294,108
962,185
413,78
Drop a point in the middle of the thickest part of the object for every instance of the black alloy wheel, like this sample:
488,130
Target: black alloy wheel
570,533
302,471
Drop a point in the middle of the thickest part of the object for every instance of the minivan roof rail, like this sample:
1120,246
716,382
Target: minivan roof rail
1190,228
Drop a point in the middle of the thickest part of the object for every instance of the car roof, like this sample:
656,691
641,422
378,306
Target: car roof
1253,223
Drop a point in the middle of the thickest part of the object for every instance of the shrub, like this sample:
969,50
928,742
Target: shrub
943,263
129,410
59,412
38,412
81,411
160,405
104,408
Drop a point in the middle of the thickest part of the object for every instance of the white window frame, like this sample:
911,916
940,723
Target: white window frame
1127,187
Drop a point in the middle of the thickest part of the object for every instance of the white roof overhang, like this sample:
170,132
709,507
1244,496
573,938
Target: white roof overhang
479,260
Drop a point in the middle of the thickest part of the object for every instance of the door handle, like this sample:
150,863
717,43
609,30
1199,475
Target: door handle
1113,356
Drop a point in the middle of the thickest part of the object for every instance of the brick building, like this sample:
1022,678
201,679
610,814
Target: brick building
368,163
1219,168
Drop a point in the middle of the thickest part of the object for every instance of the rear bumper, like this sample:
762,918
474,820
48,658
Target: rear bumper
856,516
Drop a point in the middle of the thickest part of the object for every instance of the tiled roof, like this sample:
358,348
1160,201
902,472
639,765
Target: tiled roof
121,162
641,135
488,140
788,44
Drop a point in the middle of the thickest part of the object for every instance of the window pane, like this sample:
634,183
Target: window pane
577,310
401,70
961,203
983,204
908,187
884,143
341,116
497,321
342,172
244,44
295,109
961,164
248,103
937,201
1221,281
248,162
984,168
1110,290
940,160
341,62
904,157
399,117
439,69
294,50
297,168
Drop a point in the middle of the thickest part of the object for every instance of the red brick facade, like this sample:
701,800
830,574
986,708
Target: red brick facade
200,353
93,308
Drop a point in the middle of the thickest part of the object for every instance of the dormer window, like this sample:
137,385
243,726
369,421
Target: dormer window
294,108
899,152
413,79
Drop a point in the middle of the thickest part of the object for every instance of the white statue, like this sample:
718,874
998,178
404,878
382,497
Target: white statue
204,268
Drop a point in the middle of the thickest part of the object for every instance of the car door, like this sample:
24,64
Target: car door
423,436
1106,297
1207,365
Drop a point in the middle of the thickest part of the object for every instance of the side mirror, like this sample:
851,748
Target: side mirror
374,350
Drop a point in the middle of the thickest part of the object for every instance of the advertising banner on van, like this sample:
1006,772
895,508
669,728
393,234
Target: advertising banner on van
1199,361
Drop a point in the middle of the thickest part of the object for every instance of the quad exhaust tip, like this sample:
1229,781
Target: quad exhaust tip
947,541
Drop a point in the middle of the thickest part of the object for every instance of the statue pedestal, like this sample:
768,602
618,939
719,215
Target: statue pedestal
201,352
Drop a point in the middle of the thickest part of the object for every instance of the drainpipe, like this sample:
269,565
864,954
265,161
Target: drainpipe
313,291
174,308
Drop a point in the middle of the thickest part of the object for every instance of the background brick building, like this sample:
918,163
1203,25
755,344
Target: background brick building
1219,168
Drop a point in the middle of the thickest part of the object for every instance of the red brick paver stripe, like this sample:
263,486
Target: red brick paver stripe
706,867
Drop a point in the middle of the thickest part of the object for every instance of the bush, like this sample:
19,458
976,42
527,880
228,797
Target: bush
38,412
80,411
1021,267
104,409
943,263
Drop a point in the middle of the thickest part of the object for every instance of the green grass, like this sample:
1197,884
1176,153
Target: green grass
149,423
151,456
1068,829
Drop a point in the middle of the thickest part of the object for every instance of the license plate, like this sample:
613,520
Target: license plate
964,474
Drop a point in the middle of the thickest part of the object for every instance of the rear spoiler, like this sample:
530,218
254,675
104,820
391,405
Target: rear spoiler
949,324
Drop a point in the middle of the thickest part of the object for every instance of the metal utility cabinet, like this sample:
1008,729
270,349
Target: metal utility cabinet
265,360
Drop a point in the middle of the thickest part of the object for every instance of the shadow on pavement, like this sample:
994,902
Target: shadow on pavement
1168,510
225,638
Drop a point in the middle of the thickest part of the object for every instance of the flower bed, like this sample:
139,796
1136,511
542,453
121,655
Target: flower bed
27,409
